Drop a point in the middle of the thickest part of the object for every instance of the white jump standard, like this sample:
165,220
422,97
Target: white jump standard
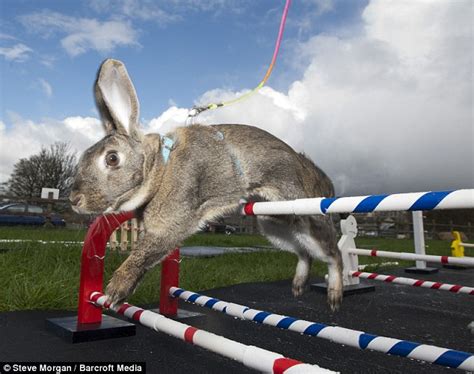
350,257
251,356
353,338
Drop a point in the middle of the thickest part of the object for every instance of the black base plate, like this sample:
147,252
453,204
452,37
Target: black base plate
110,327
182,314
427,270
348,290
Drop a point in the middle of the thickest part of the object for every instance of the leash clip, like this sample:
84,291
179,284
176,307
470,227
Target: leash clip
197,110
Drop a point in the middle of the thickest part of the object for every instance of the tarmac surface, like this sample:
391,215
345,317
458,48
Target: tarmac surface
201,251
420,315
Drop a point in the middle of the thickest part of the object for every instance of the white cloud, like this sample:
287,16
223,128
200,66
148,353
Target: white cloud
46,87
209,5
82,34
387,110
47,60
168,120
167,12
311,14
141,9
19,52
23,138
321,6
7,36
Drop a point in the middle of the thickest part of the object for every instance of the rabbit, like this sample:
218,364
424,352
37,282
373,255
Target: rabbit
195,174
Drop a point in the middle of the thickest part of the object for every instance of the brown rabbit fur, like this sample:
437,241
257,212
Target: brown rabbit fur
209,170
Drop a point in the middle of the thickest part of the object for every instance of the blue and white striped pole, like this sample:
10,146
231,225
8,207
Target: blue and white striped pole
359,339
457,199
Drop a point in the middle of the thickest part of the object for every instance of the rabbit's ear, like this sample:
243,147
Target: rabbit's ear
117,100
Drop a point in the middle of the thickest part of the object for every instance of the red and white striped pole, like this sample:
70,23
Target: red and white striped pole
465,261
250,356
455,288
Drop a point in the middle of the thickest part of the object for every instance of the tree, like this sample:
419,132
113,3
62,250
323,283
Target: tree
52,167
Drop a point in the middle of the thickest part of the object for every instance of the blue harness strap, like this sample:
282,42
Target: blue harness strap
166,147
237,165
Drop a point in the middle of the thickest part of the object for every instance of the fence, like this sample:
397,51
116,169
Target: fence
380,226
129,231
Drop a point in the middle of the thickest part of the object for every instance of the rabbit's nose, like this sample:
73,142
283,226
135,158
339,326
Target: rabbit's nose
75,199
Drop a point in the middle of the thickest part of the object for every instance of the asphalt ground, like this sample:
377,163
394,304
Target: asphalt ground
420,315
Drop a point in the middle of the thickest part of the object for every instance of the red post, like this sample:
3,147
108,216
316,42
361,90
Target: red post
92,263
169,278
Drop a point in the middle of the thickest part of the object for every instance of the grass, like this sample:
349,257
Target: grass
433,247
48,278
41,233
66,234
39,276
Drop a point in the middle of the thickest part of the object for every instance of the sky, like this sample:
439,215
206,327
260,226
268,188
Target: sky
379,93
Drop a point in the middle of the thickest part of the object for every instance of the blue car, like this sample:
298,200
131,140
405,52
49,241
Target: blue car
27,214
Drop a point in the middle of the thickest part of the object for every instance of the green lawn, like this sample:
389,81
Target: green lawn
41,233
32,234
46,276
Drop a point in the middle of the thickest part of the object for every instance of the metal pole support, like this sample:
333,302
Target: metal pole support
419,239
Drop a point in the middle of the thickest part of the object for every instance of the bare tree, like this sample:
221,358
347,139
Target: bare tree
52,167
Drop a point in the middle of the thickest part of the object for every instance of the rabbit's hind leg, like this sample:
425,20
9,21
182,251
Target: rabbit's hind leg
317,235
279,231
309,238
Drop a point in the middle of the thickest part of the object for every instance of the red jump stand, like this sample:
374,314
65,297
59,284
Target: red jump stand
90,324
170,278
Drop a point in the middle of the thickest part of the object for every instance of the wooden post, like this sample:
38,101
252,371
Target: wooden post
124,236
134,234
113,241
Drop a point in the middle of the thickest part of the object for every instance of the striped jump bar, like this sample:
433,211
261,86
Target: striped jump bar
457,199
466,261
414,282
341,335
251,356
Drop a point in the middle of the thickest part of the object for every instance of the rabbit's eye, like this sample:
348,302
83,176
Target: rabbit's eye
112,159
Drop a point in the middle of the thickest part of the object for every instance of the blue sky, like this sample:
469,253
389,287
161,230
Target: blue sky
174,51
374,91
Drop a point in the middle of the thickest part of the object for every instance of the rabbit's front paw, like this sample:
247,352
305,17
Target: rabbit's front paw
120,287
